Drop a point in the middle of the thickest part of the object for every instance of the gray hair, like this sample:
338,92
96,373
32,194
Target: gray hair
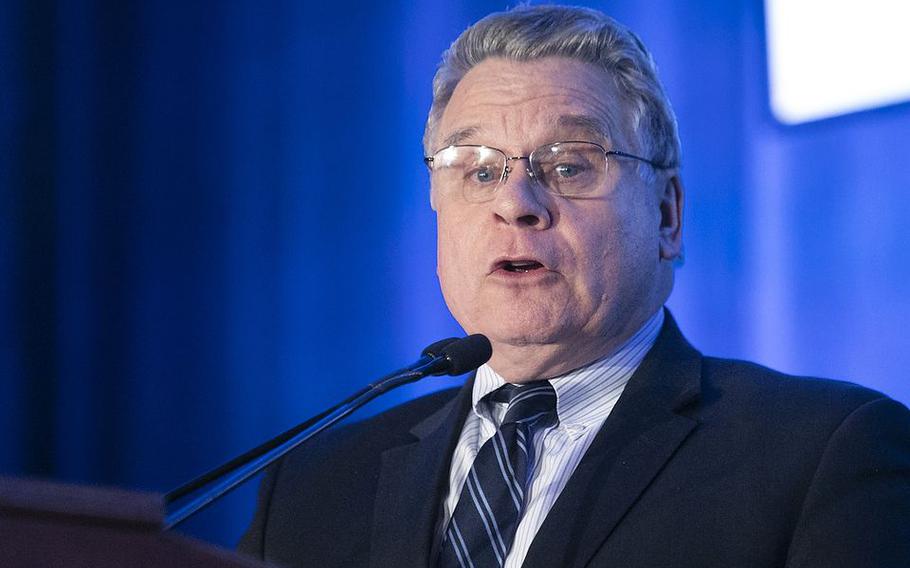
527,33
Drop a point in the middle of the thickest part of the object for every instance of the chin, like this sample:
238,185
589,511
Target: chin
516,322
519,334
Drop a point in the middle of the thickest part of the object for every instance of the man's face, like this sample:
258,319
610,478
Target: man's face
595,269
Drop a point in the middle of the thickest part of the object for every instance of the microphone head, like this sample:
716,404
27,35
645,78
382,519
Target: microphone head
466,354
435,349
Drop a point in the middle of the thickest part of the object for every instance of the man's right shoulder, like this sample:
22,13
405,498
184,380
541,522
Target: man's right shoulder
322,492
375,434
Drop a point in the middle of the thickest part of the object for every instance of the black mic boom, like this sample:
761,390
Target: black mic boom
445,357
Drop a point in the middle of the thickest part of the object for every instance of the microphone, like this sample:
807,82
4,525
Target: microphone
434,349
450,356
467,354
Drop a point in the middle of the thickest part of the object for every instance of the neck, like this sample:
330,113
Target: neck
522,363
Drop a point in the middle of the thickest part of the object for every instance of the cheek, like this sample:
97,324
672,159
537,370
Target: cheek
598,264
447,247
608,258
633,253
452,265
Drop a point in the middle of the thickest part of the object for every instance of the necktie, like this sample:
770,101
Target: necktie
482,527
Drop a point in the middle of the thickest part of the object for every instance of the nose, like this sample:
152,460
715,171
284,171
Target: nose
521,201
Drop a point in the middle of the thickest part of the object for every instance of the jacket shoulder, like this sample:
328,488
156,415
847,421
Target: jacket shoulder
758,390
323,490
370,435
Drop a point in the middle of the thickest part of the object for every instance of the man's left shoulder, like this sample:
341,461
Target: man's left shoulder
748,387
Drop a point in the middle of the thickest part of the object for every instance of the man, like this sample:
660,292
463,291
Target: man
554,171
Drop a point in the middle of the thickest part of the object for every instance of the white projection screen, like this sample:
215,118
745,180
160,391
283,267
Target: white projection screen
832,57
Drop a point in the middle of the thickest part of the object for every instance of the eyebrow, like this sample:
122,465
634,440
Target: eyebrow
460,136
593,126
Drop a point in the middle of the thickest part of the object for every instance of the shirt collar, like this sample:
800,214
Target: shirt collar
585,396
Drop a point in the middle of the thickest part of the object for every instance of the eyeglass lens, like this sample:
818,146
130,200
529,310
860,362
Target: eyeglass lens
565,168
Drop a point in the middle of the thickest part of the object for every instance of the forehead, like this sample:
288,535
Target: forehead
521,104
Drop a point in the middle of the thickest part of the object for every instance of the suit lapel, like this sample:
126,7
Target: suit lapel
635,442
412,481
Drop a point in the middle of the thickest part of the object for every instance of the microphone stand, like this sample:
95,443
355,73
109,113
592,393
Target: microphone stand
245,466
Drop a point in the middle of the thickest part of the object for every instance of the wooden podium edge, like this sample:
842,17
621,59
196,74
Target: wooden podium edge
57,525
84,504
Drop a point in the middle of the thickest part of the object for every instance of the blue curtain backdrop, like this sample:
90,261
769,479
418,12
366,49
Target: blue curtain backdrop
215,222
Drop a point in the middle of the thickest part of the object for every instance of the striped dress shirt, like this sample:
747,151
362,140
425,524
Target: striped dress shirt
584,399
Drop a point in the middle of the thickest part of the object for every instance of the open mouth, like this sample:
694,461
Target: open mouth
520,265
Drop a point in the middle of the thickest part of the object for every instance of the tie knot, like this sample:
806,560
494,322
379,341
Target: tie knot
527,403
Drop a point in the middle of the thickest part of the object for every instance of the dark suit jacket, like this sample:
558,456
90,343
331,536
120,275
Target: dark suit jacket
703,462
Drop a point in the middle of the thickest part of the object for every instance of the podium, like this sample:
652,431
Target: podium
50,525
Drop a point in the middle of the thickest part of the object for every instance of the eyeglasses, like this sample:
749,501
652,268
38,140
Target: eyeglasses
569,169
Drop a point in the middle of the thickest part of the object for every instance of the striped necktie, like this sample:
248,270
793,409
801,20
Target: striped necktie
482,527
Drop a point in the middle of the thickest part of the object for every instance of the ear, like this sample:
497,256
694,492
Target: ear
671,214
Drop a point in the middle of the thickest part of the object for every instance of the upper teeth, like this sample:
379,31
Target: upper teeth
521,265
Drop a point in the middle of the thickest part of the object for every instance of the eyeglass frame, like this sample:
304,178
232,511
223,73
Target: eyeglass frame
507,169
